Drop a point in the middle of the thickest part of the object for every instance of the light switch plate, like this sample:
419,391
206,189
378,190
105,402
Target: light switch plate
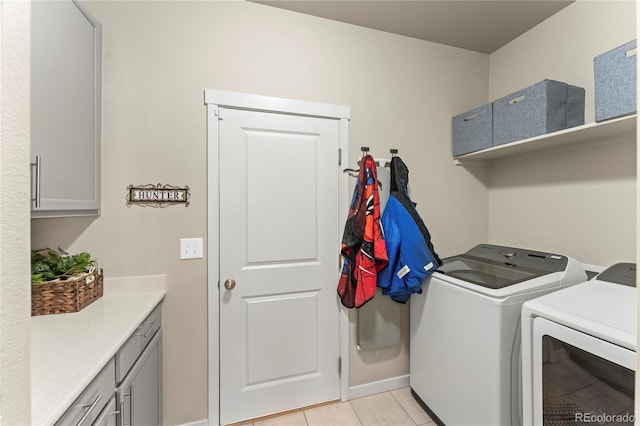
191,248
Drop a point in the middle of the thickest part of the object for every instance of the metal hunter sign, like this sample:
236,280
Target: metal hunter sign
157,195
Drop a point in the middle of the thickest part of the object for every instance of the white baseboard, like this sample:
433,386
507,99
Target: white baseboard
203,422
380,386
358,391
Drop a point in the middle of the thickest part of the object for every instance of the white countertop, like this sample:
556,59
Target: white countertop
69,350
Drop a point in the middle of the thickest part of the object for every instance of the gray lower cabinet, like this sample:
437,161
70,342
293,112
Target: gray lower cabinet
128,390
139,396
138,372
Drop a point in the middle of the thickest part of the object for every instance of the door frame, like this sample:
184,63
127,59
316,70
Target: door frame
219,98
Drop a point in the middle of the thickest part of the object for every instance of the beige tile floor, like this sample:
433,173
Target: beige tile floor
394,408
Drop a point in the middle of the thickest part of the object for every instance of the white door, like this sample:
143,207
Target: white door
279,242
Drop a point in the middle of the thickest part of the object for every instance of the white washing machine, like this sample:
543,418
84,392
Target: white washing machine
465,333
579,352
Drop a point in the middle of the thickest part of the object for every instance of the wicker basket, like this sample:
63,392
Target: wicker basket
72,295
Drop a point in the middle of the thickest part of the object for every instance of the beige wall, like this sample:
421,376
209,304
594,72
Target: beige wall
15,291
578,200
159,57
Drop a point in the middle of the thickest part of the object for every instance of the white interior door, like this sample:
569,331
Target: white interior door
279,239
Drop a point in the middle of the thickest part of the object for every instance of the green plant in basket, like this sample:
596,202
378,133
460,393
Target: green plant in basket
48,265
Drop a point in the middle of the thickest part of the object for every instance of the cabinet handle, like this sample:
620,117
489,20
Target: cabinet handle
36,198
122,411
122,406
151,327
91,407
131,406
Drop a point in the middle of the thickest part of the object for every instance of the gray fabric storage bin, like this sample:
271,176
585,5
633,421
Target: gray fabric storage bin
575,106
472,130
615,82
537,110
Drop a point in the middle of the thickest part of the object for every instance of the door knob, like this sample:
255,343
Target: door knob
230,284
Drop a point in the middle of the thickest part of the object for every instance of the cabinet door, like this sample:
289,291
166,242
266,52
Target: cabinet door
86,408
65,109
108,417
140,394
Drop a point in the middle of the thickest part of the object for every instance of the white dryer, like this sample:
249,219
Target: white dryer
465,333
579,352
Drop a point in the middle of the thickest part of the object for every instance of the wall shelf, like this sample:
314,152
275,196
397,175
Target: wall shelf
590,131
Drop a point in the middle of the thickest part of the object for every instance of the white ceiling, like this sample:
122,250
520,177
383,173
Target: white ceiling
479,25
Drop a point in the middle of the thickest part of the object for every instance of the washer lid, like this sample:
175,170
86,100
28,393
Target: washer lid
497,267
486,273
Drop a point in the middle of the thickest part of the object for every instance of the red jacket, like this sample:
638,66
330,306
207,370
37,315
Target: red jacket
363,245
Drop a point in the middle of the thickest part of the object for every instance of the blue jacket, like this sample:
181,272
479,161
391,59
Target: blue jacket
398,188
410,259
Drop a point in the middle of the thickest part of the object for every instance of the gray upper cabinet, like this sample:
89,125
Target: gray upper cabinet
65,109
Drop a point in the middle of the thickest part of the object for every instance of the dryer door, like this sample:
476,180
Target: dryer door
579,378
